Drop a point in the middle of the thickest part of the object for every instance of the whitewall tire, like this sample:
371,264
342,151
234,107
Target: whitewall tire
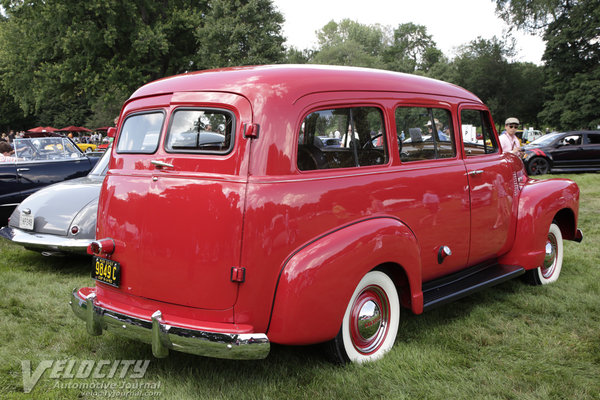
370,322
549,271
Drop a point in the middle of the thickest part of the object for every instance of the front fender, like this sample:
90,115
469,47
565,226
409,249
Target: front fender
536,152
540,202
317,282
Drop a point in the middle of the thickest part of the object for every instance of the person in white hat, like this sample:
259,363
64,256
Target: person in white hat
509,141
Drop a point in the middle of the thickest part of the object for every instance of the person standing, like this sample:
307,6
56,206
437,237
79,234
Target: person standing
509,140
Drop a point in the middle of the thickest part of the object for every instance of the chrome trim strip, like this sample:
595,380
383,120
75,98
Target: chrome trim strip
162,336
44,241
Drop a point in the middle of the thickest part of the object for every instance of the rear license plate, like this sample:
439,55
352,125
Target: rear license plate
26,221
107,271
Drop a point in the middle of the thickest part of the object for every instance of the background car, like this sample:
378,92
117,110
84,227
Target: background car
41,162
86,147
574,151
59,218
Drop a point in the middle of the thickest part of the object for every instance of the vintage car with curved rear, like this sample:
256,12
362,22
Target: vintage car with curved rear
223,228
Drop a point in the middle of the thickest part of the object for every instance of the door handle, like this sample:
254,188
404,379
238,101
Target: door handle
161,164
22,169
476,172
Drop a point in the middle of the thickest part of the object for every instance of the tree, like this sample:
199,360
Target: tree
572,59
76,61
351,43
572,34
482,67
412,49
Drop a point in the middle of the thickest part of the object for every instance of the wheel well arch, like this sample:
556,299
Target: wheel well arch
400,278
565,219
316,282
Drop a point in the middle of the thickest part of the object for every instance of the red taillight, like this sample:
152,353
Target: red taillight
105,246
75,230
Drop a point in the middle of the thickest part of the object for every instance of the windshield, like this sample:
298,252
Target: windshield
46,148
101,166
545,140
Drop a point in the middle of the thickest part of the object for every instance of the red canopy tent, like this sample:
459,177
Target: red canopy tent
72,128
102,129
40,129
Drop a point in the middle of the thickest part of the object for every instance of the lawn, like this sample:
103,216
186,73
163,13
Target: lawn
513,341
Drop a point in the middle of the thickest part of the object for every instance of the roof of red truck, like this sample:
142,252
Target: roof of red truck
294,81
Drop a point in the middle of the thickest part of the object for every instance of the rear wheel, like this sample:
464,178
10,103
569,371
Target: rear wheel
549,271
371,321
538,166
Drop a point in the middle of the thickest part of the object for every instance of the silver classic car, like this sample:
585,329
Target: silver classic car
59,218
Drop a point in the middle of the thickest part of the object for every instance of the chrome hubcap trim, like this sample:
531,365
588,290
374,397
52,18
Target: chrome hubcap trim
550,258
369,320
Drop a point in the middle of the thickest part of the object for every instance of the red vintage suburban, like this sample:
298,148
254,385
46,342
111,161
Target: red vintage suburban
308,204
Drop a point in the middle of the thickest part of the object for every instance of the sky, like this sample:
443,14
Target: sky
451,23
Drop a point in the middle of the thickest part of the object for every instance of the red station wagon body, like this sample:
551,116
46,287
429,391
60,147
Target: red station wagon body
221,252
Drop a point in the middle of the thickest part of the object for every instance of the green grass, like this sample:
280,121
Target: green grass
513,341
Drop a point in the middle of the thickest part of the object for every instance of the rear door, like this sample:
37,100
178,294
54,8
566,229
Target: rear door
590,153
178,182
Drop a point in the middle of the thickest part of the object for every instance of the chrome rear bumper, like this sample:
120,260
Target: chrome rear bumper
163,336
45,242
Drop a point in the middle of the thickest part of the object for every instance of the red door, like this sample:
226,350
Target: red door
492,186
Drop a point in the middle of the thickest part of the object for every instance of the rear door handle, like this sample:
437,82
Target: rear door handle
161,164
22,169
476,172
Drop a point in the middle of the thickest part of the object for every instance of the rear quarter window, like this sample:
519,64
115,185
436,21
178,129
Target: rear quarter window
201,130
141,133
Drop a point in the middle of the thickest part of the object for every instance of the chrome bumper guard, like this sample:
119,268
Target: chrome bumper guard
44,242
162,336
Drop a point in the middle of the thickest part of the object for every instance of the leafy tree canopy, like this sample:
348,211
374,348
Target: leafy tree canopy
571,29
75,62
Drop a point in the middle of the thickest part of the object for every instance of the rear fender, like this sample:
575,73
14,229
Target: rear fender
540,203
317,281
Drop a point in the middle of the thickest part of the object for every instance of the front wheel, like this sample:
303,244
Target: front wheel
538,166
371,321
550,270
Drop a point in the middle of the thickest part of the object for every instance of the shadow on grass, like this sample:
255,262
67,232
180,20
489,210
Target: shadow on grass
31,261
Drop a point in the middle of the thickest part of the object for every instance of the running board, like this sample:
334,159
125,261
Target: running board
453,287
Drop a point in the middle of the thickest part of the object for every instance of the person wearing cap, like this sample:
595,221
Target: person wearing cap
441,136
508,140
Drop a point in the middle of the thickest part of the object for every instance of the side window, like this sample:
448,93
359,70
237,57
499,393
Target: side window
424,133
593,138
342,138
194,130
140,133
571,140
477,133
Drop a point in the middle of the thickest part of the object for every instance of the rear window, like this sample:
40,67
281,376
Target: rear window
140,133
201,130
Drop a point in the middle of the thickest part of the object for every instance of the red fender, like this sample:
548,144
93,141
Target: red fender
317,282
539,203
